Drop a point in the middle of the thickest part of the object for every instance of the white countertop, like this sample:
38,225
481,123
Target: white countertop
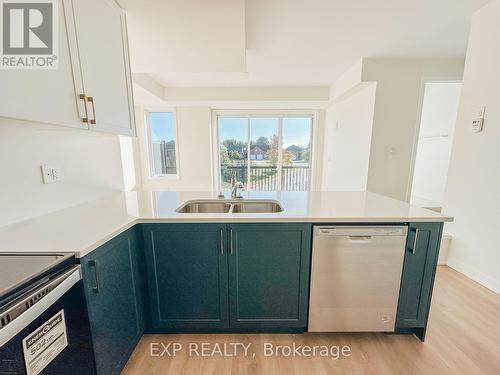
83,228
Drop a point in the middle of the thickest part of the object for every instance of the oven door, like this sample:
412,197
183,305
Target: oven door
48,330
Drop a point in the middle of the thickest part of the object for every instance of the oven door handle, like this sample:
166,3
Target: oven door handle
60,285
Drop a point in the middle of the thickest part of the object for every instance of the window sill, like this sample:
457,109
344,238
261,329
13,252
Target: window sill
164,177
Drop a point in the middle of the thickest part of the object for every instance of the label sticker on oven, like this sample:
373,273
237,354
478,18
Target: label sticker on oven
45,343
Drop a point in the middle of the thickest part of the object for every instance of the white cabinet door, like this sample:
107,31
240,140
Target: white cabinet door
104,61
48,96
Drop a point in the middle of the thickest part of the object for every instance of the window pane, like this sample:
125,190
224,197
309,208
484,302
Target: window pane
163,145
264,147
296,153
233,138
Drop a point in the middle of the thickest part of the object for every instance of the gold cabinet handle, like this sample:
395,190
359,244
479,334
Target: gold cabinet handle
86,118
91,100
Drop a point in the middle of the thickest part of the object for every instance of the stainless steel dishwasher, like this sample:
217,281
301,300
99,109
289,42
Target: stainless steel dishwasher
355,278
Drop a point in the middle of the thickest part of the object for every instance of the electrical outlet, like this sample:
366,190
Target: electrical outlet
51,174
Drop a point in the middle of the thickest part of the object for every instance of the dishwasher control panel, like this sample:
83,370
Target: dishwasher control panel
361,230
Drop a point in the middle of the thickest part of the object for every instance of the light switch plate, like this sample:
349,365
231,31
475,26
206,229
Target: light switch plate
51,174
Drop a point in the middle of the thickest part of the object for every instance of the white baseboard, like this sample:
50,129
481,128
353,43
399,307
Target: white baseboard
444,250
478,276
442,260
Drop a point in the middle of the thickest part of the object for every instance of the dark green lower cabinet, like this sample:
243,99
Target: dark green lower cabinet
187,275
114,291
224,277
419,268
269,275
227,277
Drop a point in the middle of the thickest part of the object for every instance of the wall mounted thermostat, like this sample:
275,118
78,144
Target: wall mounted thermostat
477,122
51,174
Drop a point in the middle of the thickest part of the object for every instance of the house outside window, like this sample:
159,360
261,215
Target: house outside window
163,156
264,152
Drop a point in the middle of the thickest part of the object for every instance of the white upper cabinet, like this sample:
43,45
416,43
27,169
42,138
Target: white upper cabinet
92,87
43,95
104,61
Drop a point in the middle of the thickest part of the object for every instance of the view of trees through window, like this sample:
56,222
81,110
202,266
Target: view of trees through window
265,153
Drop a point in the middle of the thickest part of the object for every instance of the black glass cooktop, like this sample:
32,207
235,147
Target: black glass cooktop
17,270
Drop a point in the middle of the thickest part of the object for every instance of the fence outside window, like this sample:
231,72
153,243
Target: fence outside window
265,178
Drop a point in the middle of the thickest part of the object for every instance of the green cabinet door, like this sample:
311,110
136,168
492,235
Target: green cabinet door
417,280
187,276
113,288
269,275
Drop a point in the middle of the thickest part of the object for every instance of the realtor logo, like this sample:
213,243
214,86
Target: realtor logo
29,34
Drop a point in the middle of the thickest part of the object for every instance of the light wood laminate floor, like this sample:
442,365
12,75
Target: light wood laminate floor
463,337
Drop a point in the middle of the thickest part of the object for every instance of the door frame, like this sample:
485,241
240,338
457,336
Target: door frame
416,134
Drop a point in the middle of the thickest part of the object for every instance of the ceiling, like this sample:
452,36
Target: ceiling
286,42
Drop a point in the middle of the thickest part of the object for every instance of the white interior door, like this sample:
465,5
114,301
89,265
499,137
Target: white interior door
102,42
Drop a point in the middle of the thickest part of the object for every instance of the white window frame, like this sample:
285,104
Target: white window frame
151,175
278,113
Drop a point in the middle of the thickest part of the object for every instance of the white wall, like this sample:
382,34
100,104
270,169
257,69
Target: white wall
437,124
186,36
400,85
90,163
473,187
194,151
246,94
348,131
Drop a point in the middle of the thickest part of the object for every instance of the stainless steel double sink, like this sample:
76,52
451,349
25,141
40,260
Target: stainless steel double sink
230,206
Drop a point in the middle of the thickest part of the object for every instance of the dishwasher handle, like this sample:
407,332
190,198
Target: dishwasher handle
360,239
356,232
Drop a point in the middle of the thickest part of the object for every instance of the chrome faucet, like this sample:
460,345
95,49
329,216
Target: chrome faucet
235,185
